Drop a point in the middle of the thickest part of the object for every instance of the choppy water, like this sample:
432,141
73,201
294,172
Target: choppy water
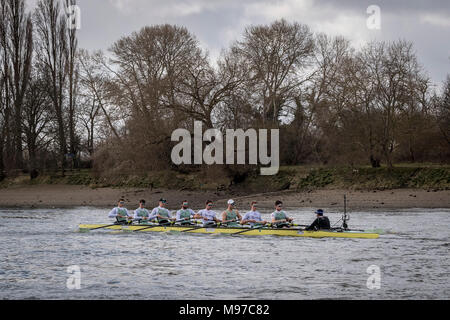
37,246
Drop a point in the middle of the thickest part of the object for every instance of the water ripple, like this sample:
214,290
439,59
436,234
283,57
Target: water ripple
38,245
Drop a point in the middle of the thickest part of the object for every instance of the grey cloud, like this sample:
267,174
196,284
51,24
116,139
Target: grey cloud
216,23
392,6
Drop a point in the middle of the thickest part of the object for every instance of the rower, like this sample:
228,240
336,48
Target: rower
141,214
279,217
321,222
231,216
160,213
207,215
185,214
253,217
120,213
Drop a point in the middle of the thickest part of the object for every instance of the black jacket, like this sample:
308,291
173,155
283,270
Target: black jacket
320,223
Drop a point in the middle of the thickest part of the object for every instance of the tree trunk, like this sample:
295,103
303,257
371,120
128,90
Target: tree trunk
18,157
2,163
34,173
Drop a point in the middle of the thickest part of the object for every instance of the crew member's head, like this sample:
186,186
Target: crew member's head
185,204
141,203
254,205
231,203
319,213
278,205
121,202
209,204
162,202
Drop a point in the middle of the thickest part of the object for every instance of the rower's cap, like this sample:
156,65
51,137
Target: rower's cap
319,212
231,201
162,200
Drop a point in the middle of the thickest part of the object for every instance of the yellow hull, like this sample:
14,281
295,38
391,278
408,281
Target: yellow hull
290,232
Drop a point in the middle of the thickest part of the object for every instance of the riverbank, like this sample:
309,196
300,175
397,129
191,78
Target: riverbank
74,195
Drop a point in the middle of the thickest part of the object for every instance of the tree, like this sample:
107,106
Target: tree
95,81
443,111
393,76
17,42
52,54
161,80
72,77
277,55
36,117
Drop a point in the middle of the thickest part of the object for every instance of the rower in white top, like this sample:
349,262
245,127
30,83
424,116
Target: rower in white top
141,214
253,217
160,213
207,215
120,213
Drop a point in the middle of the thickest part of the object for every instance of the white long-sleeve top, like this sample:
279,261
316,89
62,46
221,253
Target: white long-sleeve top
252,215
115,212
207,215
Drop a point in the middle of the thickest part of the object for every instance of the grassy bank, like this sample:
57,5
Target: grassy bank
293,178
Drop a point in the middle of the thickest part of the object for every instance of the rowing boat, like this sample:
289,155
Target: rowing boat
292,232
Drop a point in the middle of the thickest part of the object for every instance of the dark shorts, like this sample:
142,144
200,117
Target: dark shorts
122,222
185,223
209,224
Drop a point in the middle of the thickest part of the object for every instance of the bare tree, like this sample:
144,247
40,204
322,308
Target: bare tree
443,111
95,82
90,113
17,40
72,77
52,54
5,109
326,96
277,56
160,79
3,116
36,118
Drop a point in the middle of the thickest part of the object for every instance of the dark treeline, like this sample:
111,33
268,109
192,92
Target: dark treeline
64,107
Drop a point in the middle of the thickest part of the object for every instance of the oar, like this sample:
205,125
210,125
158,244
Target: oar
106,226
155,225
201,222
249,229
379,231
171,222
226,223
299,225
275,225
184,220
164,224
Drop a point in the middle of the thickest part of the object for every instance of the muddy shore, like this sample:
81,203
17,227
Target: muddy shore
71,195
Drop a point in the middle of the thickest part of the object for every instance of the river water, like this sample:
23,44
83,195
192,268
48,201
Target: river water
37,247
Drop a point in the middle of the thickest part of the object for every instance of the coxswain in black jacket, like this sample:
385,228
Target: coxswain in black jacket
321,222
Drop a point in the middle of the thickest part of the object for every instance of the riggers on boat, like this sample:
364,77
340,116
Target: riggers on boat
290,232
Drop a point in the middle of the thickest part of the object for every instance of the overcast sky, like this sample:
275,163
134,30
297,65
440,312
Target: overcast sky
217,23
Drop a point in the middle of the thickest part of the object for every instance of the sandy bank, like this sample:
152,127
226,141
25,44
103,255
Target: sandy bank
69,195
